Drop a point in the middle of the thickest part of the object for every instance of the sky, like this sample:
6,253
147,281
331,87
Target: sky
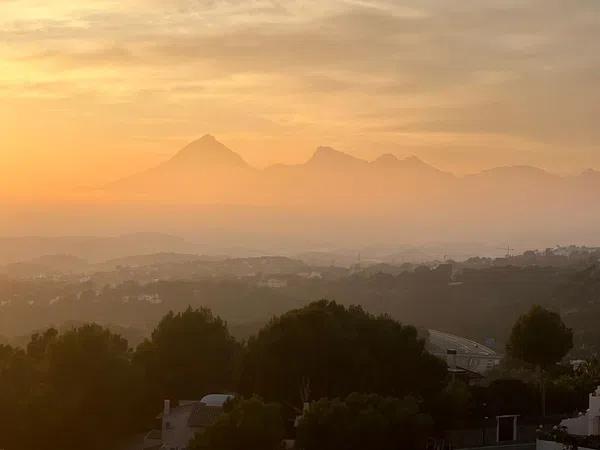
93,90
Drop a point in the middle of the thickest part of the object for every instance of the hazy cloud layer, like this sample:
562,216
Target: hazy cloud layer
489,82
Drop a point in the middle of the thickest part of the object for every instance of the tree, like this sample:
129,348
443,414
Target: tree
87,399
363,421
188,355
327,350
246,425
540,338
38,344
67,391
17,378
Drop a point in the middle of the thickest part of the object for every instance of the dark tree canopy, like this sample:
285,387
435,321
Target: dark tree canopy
188,355
247,425
327,350
68,391
540,338
363,421
38,345
17,376
88,370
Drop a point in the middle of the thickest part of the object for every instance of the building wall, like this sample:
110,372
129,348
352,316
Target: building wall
587,424
577,425
176,434
551,445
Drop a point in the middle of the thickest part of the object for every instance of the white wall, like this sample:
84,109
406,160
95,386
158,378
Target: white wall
576,425
550,445
178,434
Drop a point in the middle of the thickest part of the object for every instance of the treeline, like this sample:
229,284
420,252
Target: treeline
85,388
472,303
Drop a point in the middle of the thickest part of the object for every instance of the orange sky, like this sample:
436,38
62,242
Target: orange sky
97,89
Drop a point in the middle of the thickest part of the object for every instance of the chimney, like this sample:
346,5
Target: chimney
167,408
451,358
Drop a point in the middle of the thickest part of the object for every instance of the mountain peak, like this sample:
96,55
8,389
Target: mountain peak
207,139
386,159
329,157
208,151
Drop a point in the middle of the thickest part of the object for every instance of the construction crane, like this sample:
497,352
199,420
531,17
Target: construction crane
508,250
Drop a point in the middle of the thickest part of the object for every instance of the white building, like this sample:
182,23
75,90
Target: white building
588,423
581,432
180,424
462,353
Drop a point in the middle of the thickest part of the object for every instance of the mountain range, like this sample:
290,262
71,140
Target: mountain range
207,172
208,193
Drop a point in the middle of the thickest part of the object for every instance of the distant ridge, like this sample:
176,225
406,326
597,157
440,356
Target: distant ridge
330,158
207,151
183,172
206,172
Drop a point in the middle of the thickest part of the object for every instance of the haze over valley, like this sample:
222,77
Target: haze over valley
208,194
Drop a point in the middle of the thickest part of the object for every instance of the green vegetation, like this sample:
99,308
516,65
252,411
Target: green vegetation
366,378
468,299
363,421
68,391
540,338
84,388
246,425
327,350
188,354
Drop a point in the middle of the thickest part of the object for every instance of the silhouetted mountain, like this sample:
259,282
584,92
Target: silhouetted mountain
411,166
200,170
334,194
207,172
204,153
513,173
327,158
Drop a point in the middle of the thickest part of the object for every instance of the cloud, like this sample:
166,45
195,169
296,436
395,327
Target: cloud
523,69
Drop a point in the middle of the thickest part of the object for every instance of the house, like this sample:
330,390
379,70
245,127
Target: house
588,423
181,423
582,432
472,358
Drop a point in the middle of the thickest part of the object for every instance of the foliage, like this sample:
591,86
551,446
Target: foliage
247,425
69,391
489,299
452,407
327,350
363,421
569,391
540,338
189,354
